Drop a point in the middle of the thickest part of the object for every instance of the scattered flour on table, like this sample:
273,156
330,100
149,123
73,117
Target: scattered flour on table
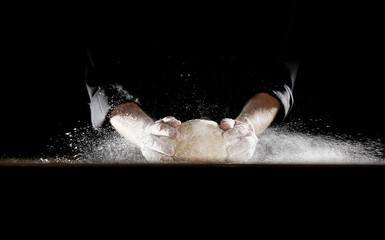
87,145
280,144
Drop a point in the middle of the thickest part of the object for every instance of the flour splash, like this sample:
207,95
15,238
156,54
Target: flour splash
292,143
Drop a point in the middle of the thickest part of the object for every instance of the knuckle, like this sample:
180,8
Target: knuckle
167,149
250,153
159,145
230,151
161,129
241,129
159,121
147,141
226,120
250,127
249,141
155,126
168,119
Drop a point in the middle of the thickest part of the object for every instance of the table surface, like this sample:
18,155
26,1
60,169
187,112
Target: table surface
32,163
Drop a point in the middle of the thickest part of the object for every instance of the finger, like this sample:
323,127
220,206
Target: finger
226,124
239,130
241,157
164,130
175,123
160,145
172,121
153,156
243,145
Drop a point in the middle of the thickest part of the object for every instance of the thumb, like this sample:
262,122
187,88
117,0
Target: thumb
171,121
226,124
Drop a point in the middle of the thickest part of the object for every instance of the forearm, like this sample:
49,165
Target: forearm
260,111
130,120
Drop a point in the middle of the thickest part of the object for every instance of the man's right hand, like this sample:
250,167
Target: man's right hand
158,140
241,140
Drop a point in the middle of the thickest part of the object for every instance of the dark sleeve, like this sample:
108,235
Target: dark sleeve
104,89
284,73
274,77
278,80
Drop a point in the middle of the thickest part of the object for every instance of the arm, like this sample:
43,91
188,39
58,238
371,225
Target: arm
241,133
104,91
130,121
110,103
259,111
155,139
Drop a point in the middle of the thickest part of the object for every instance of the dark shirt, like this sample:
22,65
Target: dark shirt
191,62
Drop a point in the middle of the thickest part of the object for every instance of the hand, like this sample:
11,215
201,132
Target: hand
240,138
158,140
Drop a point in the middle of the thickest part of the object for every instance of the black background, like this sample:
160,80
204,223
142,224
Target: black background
42,78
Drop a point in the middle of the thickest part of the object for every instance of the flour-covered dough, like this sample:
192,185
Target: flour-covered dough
200,141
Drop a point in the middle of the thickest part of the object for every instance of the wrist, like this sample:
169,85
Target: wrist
245,118
130,121
259,111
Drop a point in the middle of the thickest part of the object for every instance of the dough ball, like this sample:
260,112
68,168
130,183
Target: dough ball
200,141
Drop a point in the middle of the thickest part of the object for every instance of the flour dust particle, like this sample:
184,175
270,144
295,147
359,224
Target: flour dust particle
286,144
